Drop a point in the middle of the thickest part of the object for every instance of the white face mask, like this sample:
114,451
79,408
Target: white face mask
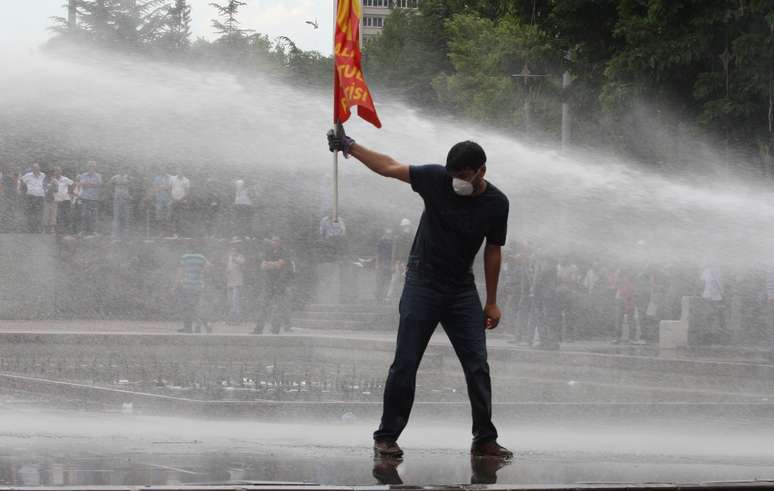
463,187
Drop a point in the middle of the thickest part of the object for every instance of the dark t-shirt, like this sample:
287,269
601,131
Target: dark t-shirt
277,277
453,227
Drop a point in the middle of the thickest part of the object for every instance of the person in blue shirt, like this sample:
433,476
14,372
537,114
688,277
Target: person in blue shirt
191,273
90,184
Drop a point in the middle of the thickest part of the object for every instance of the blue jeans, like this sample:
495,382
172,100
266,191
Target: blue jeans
274,308
234,298
188,299
425,302
89,216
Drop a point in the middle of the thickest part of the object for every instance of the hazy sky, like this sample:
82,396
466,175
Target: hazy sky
23,24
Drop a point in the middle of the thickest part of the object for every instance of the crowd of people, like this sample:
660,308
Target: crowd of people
555,298
550,298
168,204
165,202
558,298
278,268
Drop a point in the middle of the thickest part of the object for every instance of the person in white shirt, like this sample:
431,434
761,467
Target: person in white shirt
121,205
34,195
243,211
714,299
180,187
235,265
58,202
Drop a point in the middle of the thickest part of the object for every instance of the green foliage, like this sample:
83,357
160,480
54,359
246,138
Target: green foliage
704,62
408,55
485,55
177,26
117,23
228,24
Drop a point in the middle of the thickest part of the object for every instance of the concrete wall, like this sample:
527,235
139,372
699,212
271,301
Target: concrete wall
28,275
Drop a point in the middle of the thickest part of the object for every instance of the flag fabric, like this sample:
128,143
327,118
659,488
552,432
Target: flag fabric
349,87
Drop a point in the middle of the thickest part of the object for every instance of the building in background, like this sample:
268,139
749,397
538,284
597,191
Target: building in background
375,14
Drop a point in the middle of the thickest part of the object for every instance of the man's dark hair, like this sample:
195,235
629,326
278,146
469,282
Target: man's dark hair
465,155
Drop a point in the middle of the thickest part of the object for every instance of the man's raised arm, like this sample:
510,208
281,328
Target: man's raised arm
384,165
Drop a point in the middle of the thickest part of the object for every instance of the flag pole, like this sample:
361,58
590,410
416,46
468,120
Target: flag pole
335,216
335,212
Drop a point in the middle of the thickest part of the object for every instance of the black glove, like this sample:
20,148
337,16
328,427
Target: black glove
338,141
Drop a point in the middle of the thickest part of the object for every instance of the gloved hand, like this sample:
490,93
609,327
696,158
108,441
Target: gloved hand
338,141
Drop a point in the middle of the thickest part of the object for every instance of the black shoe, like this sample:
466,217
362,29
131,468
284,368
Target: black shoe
490,449
185,330
387,449
386,471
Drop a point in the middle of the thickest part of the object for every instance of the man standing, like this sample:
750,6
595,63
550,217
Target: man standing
276,267
121,205
235,280
400,255
714,298
180,188
34,195
59,208
243,211
90,187
461,210
189,285
160,189
384,262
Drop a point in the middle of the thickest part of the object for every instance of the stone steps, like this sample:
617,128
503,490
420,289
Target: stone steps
367,308
356,317
331,324
346,316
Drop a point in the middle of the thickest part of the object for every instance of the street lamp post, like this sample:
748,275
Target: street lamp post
725,58
526,75
566,125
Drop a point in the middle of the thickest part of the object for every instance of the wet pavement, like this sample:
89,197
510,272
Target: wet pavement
589,416
54,446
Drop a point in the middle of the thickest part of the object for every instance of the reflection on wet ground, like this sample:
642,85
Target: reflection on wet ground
423,468
232,469
45,446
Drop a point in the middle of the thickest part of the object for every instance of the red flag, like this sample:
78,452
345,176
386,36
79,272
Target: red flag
349,85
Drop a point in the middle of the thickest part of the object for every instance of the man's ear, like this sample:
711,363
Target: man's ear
483,171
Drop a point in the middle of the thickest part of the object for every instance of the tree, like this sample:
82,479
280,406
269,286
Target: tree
409,54
304,67
485,54
228,28
177,26
665,47
737,92
119,23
